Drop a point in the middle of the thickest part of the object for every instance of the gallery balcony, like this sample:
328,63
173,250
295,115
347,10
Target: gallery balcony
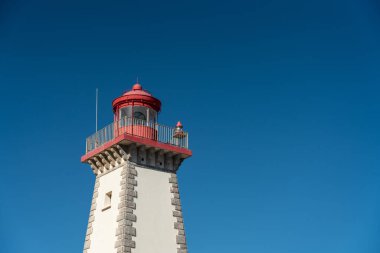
127,131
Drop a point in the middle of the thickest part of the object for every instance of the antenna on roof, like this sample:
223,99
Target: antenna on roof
137,79
96,110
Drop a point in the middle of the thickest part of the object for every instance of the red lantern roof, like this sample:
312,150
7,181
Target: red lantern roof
137,97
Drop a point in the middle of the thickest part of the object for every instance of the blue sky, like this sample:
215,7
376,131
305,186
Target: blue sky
281,99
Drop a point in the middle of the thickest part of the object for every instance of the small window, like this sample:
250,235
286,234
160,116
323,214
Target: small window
107,201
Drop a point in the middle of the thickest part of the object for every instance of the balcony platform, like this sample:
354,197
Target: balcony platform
128,139
139,141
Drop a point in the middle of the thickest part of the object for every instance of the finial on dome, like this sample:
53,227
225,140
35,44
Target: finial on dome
137,86
179,124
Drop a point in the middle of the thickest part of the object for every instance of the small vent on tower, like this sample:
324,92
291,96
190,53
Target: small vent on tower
107,201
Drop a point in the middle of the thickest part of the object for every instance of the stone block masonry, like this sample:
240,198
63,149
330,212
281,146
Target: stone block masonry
177,213
91,219
125,231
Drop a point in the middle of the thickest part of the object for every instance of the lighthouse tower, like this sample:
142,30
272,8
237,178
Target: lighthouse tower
135,205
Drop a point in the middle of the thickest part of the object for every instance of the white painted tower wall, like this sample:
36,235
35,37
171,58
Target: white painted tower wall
154,211
103,236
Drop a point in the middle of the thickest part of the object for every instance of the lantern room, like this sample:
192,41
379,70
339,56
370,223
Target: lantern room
136,112
136,103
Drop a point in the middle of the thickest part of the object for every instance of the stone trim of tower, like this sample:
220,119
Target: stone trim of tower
125,230
91,218
177,214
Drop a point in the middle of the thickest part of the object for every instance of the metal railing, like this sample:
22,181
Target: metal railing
140,128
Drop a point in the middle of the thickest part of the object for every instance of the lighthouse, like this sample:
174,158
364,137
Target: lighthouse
136,205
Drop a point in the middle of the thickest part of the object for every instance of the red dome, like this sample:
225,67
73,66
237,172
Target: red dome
136,97
137,86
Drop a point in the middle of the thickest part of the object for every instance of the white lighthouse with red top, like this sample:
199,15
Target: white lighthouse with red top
136,205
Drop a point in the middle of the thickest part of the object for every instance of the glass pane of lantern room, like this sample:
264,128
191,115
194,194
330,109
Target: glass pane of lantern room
125,112
139,115
152,116
125,115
